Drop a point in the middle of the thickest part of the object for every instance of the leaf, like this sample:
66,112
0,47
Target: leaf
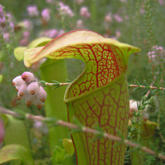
19,53
15,152
59,154
68,145
4,118
2,56
1,78
15,132
39,42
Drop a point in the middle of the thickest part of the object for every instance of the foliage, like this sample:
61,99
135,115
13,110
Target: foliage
15,152
139,23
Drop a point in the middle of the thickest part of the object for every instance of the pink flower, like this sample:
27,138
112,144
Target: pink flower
11,24
25,40
38,124
33,88
118,18
32,10
49,1
41,95
39,104
29,99
157,52
65,10
118,33
108,18
22,91
79,24
42,127
17,81
52,33
133,107
84,12
28,24
79,1
60,32
27,76
161,2
29,88
26,34
46,14
6,36
142,11
2,17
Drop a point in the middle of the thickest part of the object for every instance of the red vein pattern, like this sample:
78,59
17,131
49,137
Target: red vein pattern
103,64
107,107
92,98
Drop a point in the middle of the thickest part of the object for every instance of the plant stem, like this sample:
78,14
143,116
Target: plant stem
85,129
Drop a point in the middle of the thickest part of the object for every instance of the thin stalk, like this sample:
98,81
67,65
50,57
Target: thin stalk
84,129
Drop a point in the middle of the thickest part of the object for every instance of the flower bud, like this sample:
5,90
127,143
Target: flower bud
17,88
27,76
42,95
33,88
133,107
17,81
19,97
29,99
38,103
22,91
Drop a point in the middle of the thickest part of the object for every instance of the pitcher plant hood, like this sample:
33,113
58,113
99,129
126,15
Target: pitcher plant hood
105,58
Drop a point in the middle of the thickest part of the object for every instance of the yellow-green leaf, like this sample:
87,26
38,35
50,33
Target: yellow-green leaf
15,152
1,78
19,53
39,42
68,145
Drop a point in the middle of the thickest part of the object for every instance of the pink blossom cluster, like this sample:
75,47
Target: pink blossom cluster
108,18
49,1
29,89
161,2
2,16
79,2
84,12
52,33
79,24
156,53
25,40
133,108
40,126
5,24
118,18
45,14
28,25
32,10
65,10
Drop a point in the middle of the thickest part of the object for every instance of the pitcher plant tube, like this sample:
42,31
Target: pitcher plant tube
99,96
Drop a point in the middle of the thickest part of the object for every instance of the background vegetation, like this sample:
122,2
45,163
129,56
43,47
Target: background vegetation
136,22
